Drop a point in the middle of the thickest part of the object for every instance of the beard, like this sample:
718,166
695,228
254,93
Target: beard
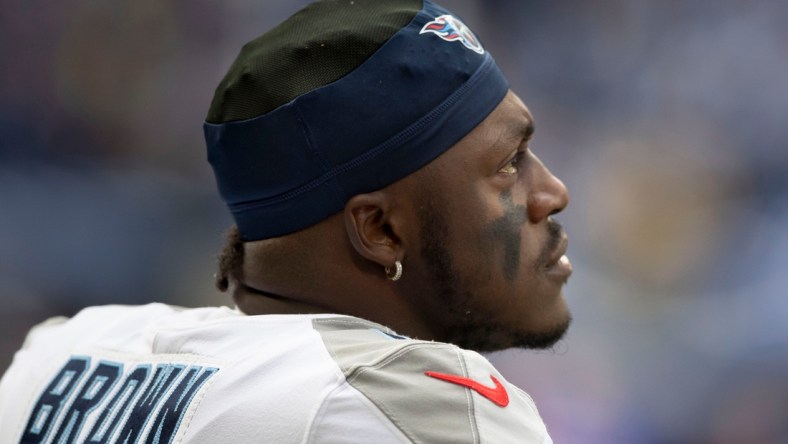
469,322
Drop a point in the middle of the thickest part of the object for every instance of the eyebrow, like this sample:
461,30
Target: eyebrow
518,132
524,129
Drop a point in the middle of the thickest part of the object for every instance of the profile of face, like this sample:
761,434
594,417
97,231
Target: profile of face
490,251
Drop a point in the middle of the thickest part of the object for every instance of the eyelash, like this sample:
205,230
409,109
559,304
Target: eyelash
514,163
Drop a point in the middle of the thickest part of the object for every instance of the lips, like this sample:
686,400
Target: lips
558,265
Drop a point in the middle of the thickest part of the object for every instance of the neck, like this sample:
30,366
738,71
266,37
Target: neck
257,302
377,306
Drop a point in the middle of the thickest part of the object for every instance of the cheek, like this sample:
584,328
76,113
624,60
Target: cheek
502,268
471,244
490,239
505,235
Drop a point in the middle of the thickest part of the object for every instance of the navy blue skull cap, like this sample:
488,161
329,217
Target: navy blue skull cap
344,97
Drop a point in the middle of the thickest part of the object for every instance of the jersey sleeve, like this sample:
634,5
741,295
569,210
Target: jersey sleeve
430,392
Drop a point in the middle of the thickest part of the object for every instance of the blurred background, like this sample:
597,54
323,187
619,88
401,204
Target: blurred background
667,119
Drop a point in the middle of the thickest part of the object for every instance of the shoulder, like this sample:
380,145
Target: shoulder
96,322
430,391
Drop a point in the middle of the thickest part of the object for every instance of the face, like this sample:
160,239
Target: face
489,246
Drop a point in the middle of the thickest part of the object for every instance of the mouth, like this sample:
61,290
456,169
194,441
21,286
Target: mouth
558,266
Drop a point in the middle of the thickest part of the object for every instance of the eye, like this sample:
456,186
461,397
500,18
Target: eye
513,166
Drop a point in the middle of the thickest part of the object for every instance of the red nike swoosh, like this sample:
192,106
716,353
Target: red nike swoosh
496,394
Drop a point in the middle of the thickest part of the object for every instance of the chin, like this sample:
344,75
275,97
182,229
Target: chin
543,338
485,335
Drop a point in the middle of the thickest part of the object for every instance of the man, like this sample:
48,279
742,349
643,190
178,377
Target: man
389,215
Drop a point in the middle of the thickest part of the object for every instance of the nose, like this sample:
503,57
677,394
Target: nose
547,194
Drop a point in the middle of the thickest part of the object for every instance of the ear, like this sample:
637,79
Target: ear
370,228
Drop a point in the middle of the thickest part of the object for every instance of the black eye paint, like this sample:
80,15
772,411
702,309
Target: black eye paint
505,231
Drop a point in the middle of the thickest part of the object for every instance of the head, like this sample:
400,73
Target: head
439,177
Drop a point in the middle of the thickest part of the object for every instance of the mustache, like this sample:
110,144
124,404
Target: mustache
555,231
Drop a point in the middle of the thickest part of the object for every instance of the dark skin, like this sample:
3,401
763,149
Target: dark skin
505,231
483,259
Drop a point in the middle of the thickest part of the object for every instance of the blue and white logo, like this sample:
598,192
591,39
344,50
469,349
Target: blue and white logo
451,29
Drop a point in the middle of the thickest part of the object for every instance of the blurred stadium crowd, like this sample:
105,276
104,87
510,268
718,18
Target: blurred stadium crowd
668,121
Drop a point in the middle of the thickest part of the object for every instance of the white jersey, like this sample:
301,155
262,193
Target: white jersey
161,374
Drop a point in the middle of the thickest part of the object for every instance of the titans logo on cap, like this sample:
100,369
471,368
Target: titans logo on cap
451,28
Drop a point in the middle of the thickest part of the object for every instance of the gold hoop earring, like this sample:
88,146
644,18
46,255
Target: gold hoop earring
397,271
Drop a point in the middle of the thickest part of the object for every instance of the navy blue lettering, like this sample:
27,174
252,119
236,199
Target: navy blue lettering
113,413
51,401
143,403
95,388
169,418
159,386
